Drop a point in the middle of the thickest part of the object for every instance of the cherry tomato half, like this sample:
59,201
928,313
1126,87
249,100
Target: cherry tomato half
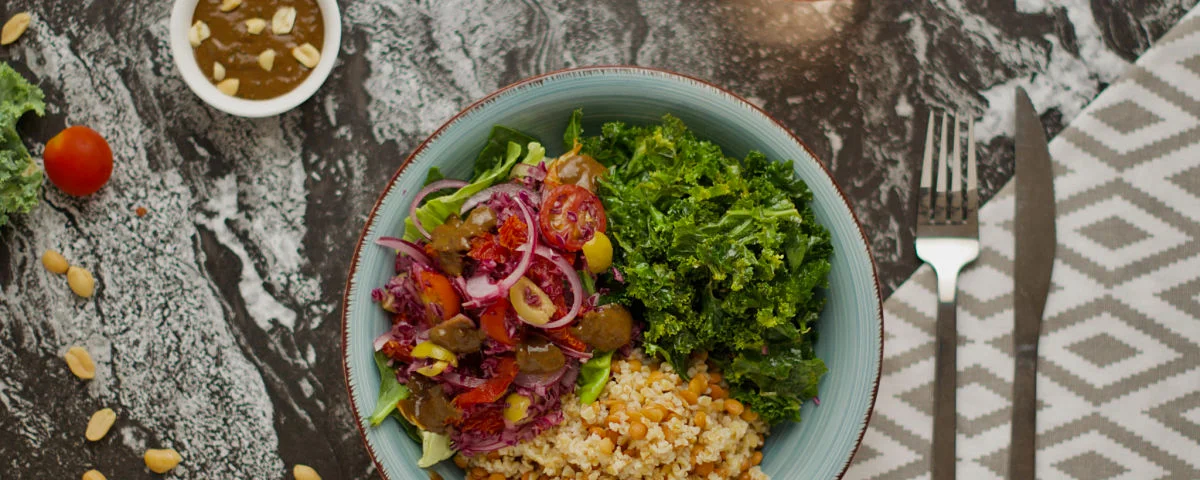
569,216
436,290
492,322
78,161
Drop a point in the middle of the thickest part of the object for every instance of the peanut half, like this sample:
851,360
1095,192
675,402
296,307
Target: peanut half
229,5
198,33
218,73
161,460
14,28
55,262
305,472
283,21
100,423
307,55
93,475
255,26
81,282
80,363
266,59
229,86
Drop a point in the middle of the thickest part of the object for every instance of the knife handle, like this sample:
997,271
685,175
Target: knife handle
945,411
1022,450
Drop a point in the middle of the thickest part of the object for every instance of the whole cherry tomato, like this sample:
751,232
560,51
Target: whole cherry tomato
569,216
78,161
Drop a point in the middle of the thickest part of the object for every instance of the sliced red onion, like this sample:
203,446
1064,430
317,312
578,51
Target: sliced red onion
529,380
433,187
482,290
511,189
382,340
570,352
462,381
406,248
572,278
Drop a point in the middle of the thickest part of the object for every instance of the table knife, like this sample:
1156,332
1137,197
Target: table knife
1034,260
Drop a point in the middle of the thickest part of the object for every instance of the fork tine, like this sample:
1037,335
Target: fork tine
956,177
927,172
972,180
939,195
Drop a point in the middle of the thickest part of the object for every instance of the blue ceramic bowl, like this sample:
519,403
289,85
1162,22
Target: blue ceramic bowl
851,328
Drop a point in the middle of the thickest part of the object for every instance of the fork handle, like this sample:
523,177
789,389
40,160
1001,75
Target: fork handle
945,414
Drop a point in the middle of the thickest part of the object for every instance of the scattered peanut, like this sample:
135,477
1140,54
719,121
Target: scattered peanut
80,363
161,460
93,475
100,423
283,21
81,281
14,28
55,262
266,59
304,472
255,26
229,5
229,86
198,33
218,71
307,55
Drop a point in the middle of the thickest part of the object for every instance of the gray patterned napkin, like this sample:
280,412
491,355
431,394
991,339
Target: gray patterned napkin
1119,372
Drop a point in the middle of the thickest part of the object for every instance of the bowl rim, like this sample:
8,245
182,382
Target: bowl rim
196,80
358,416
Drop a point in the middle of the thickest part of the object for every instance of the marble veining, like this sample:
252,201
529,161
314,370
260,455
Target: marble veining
215,326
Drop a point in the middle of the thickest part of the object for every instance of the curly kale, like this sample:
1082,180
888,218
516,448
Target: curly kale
719,255
20,177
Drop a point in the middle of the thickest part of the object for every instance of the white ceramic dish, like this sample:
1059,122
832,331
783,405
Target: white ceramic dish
197,80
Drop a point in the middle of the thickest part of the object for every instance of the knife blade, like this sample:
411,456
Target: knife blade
1034,261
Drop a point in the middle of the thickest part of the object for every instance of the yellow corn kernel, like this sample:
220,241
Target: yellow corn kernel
432,350
701,419
690,397
734,407
749,415
654,413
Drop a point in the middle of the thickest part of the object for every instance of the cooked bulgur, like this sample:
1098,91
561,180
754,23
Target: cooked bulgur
647,424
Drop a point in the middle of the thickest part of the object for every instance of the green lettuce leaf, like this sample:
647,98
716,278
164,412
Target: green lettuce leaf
574,131
391,391
435,211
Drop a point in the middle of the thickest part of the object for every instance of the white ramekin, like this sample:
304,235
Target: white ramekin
197,80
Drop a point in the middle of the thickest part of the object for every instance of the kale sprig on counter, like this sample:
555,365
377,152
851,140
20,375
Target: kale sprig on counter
719,255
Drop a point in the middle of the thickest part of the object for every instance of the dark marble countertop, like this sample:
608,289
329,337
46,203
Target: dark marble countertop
216,322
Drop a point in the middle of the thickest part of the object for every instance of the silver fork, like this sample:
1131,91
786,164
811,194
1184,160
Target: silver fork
947,239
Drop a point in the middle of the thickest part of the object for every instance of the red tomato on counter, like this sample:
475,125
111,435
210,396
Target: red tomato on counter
78,161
